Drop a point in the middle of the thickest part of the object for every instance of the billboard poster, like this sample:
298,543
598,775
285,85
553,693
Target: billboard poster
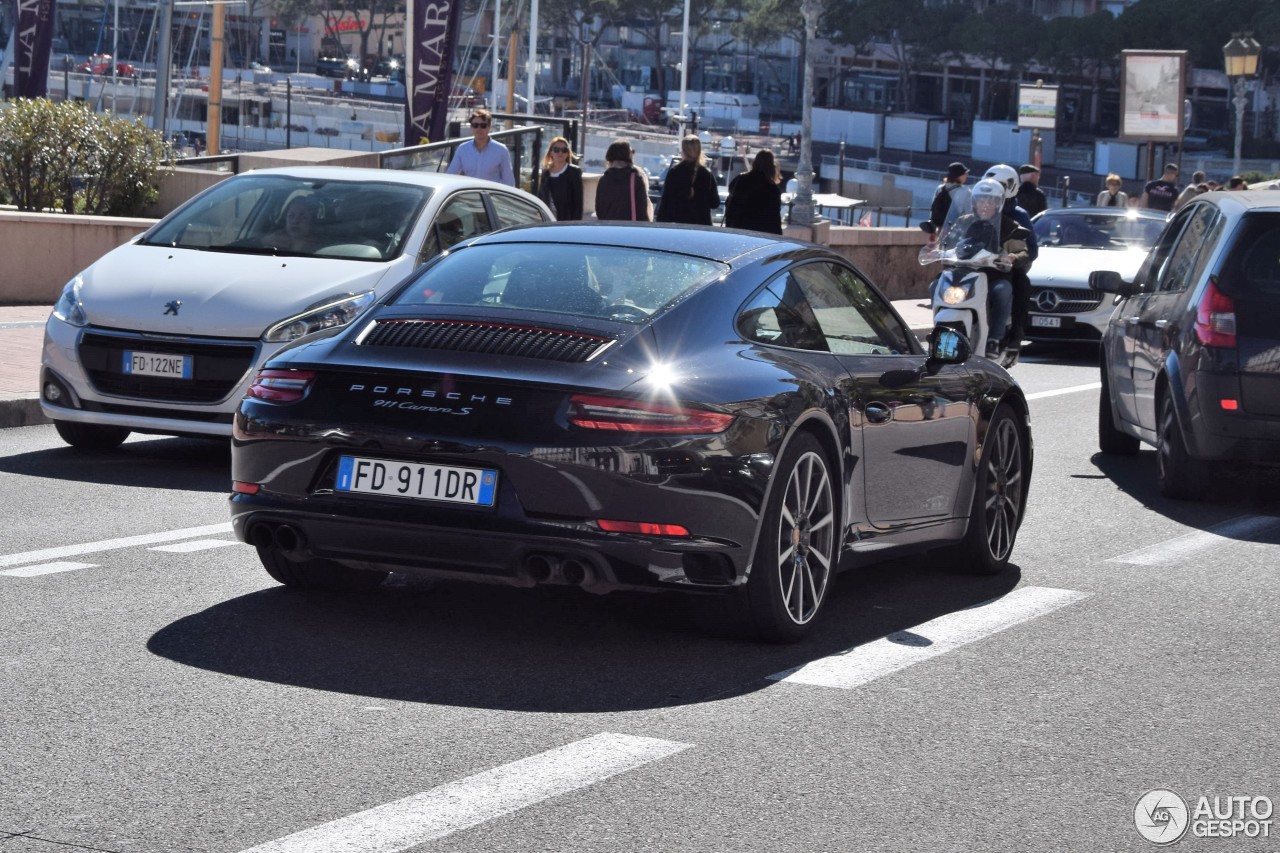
33,42
1153,94
429,44
1038,106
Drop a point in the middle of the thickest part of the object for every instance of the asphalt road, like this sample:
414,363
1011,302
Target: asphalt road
159,693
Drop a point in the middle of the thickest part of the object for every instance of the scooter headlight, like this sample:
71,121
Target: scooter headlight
954,294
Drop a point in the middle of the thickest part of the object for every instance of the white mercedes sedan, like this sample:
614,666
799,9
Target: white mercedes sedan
164,334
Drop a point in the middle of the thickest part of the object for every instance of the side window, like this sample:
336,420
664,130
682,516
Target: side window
462,216
512,210
1149,273
779,315
853,319
1178,272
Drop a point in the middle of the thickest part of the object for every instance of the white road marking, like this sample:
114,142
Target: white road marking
1038,395
112,544
470,802
936,637
194,545
1243,527
45,569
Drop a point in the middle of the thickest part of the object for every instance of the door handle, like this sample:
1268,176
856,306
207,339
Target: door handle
1160,324
878,413
1132,321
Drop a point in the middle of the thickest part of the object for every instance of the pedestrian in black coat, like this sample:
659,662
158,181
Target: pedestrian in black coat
755,197
689,193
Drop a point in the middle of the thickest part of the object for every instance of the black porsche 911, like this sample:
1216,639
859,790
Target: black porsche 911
630,407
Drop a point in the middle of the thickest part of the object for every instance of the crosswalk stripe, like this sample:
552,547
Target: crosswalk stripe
112,544
1241,527
469,802
924,642
194,545
45,569
1040,395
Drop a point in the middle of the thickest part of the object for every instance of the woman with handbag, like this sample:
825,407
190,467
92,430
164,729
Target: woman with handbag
623,190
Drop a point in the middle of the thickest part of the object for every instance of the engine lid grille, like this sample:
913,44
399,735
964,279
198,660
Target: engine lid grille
489,338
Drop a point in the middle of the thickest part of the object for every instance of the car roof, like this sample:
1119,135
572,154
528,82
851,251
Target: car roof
1141,212
1243,201
434,180
709,242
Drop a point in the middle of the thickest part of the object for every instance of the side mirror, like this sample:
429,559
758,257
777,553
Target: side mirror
948,346
1106,281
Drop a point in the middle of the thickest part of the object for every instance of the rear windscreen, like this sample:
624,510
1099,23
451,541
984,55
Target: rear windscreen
1253,264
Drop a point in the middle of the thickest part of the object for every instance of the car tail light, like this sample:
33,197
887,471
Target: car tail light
623,415
1216,317
281,386
645,528
245,488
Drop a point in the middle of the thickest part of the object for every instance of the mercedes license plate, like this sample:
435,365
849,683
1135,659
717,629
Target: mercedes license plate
473,486
162,364
1042,322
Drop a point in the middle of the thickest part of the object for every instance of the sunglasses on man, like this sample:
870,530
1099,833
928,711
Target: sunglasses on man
479,124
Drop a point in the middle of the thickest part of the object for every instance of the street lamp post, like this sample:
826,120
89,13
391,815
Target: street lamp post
1240,56
802,212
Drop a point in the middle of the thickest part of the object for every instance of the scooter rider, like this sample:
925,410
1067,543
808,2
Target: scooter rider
1010,180
981,226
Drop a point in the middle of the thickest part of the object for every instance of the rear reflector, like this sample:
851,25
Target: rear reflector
1216,317
623,415
244,488
1230,405
281,386
644,528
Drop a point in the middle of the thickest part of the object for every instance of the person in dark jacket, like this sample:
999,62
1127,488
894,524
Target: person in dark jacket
1030,197
951,192
623,189
561,185
755,197
689,193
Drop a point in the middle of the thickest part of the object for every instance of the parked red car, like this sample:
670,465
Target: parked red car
100,63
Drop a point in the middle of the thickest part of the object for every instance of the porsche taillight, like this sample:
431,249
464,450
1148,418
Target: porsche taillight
281,386
619,414
1216,317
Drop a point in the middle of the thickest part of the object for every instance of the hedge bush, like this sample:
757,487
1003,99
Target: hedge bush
62,156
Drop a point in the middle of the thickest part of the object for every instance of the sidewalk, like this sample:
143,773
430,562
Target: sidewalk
22,332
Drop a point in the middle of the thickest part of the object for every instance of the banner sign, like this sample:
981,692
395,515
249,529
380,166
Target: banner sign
1153,93
1038,106
32,45
429,44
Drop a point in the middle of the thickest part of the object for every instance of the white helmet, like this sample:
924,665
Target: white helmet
988,188
1007,176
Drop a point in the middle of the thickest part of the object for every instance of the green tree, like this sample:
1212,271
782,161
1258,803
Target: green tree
64,156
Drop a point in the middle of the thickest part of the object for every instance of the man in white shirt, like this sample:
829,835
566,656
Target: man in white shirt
480,156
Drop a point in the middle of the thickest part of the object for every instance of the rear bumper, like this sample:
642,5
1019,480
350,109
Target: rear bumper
1221,434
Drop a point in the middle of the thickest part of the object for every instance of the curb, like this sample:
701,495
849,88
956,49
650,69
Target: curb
21,411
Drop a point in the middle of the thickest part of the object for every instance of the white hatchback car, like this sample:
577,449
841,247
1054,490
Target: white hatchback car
163,334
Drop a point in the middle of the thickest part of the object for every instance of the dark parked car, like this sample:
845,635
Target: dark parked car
630,407
1191,355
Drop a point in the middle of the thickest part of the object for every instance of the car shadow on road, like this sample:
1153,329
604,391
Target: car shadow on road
189,464
548,649
1225,495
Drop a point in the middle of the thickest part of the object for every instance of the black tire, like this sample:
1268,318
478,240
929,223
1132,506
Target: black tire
317,574
999,497
797,548
1179,476
1111,440
91,436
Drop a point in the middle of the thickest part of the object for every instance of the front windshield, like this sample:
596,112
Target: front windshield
1098,230
283,215
627,285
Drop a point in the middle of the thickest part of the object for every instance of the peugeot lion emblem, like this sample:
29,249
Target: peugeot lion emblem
172,307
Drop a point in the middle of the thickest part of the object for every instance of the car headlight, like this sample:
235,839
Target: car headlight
339,312
69,308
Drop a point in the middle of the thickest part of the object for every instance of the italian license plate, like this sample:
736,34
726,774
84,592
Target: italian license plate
156,364
1042,322
473,486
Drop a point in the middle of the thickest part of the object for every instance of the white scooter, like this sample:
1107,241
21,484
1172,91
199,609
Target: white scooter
968,249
